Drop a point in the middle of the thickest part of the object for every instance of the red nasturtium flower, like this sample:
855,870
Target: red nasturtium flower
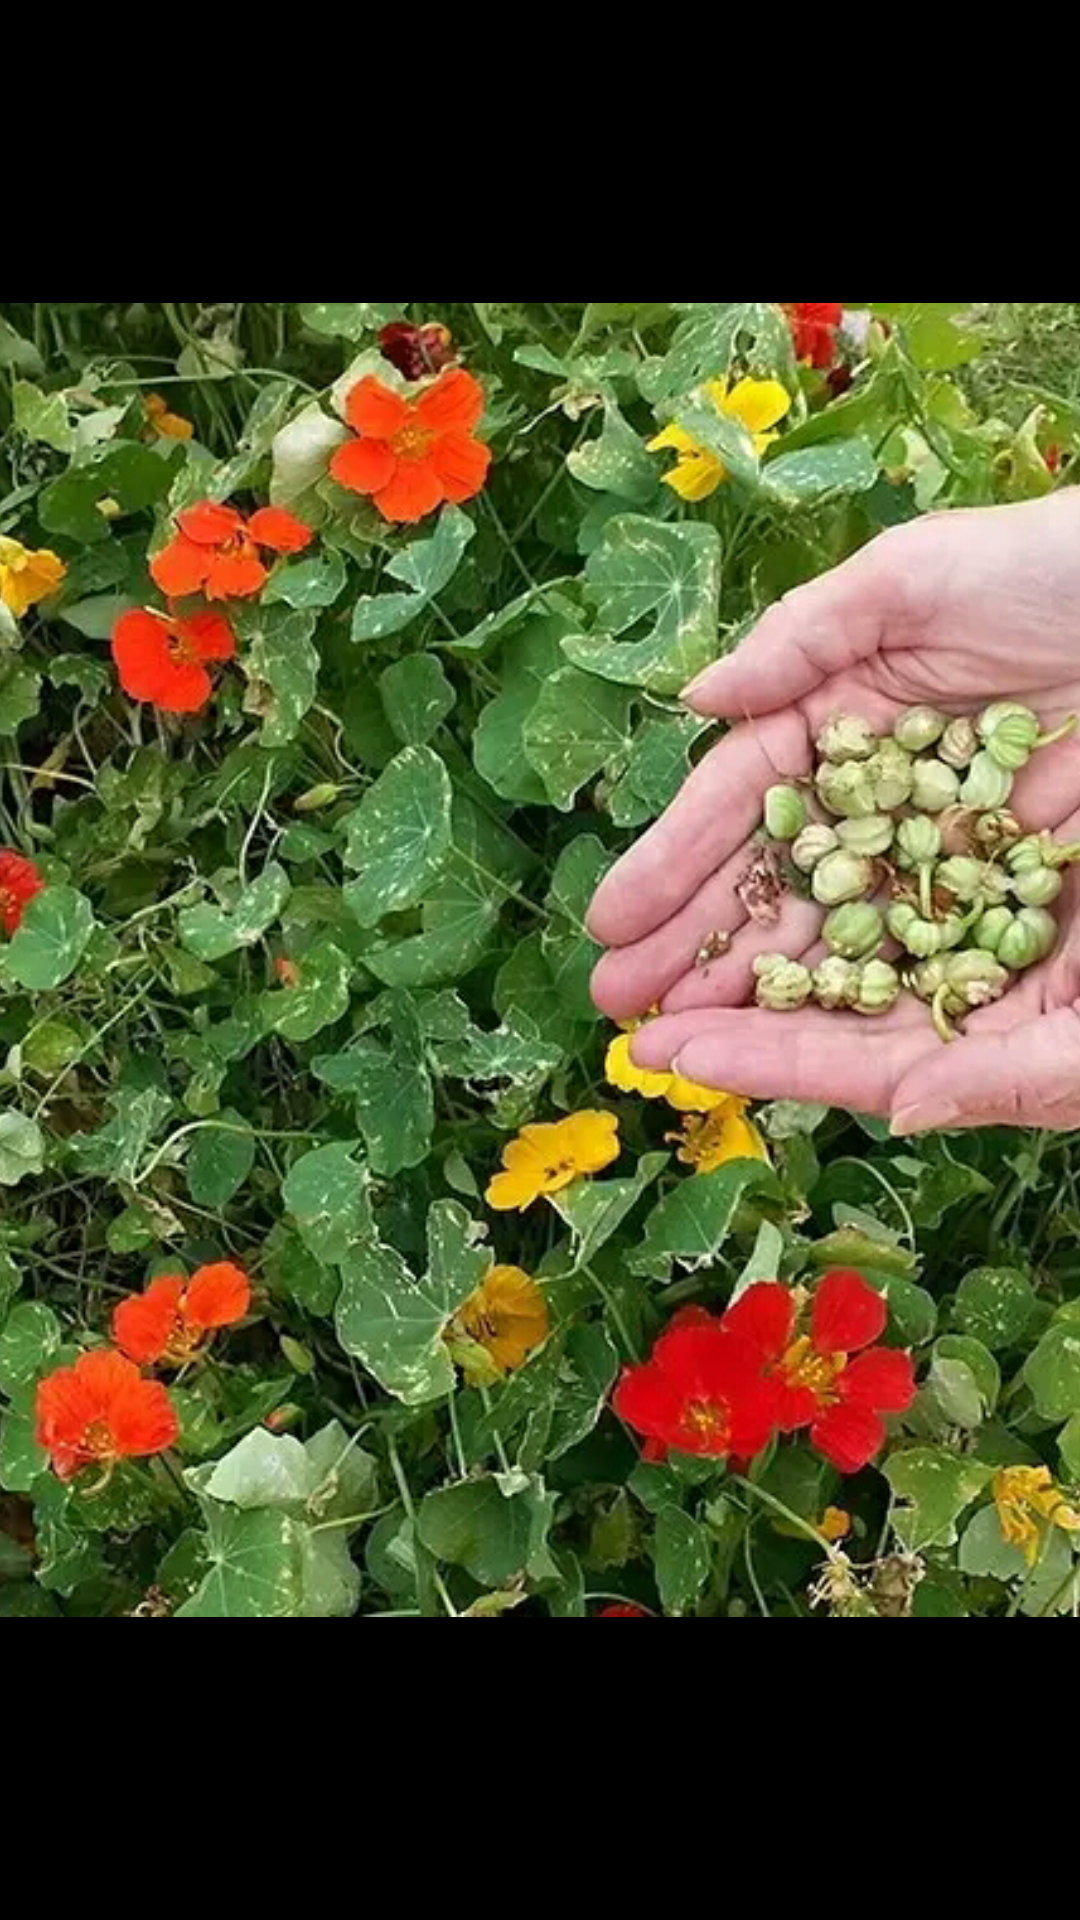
162,658
700,1391
19,881
100,1411
623,1612
815,325
818,1385
411,455
216,551
416,351
175,1317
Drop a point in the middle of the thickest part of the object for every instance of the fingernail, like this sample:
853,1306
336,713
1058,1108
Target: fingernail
923,1118
697,683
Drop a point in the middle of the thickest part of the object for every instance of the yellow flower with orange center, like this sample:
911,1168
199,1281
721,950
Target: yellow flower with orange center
498,1326
709,1141
163,423
1025,1497
547,1157
757,405
27,577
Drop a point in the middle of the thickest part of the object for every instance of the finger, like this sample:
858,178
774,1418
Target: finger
832,1059
729,980
825,627
627,981
1029,1076
714,813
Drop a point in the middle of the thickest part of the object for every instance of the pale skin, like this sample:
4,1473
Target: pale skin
954,610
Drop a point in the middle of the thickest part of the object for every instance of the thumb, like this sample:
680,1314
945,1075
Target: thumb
1026,1077
818,630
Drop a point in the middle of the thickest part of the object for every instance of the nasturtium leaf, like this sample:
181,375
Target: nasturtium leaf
41,416
399,835
20,691
978,1359
281,662
426,566
391,1086
417,696
116,1150
525,988
349,320
528,660
210,932
22,1148
813,474
682,1557
89,677
51,939
21,1459
307,583
616,462
1069,1447
10,1282
394,1322
319,997
664,572
478,1527
912,1310
995,1305
256,1567
936,1487
326,1192
219,1159
133,475
513,1052
578,725
656,766
588,1370
955,1390
302,451
935,332
545,599
595,1209
29,1338
984,1551
19,354
691,1223
568,948
1053,1372
723,436
704,344
461,906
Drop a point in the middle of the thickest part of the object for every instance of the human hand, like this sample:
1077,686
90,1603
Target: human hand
956,610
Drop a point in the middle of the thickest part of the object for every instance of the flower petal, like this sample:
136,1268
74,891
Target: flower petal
282,532
210,634
849,1437
181,567
673,436
689,1096
848,1313
763,1315
454,404
413,491
591,1140
757,404
696,477
141,1325
461,464
620,1071
363,466
208,523
882,1379
376,410
142,1418
217,1295
147,671
236,573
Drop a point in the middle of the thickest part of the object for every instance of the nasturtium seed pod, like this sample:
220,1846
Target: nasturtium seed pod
854,930
987,784
925,979
923,937
841,876
990,927
960,875
996,830
813,843
1009,733
959,743
783,985
1028,854
845,789
847,737
870,836
785,813
879,987
918,841
993,885
835,982
934,786
918,728
890,771
973,979
1030,938
1037,887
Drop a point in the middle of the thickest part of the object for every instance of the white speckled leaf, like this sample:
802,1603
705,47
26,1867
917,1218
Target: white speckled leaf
395,1109
690,1224
393,1322
937,1487
398,836
461,909
50,940
211,932
417,696
426,566
282,668
668,573
320,997
595,1209
256,1567
616,462
348,319
814,474
577,726
528,660
309,583
326,1191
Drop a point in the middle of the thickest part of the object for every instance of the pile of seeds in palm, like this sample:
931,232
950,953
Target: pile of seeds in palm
909,840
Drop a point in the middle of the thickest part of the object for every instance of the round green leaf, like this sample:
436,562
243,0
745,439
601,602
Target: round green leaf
994,1305
51,939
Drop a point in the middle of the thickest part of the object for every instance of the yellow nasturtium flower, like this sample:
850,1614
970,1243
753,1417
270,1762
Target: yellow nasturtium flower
167,425
546,1158
497,1327
757,405
1024,1496
709,1141
25,577
686,1096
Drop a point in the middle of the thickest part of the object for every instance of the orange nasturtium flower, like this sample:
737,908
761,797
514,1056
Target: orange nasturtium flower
757,405
100,1411
546,1158
163,423
497,1327
216,551
19,881
26,577
1025,1497
162,658
411,455
173,1320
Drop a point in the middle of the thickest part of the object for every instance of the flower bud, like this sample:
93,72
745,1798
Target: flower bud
785,813
989,928
959,743
1029,939
919,728
960,875
869,836
854,930
846,737
890,772
934,786
845,789
1038,887
918,841
835,982
316,797
782,985
987,784
1009,732
841,876
879,987
813,843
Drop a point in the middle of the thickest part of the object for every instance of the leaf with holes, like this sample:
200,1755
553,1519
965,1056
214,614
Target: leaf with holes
667,574
394,1322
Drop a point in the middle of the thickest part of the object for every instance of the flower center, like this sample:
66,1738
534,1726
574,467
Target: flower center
97,1440
180,648
183,1342
707,1420
803,1366
412,442
559,1169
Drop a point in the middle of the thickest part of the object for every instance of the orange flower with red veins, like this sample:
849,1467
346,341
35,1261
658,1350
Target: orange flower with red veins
162,658
101,1411
175,1318
19,881
216,551
411,455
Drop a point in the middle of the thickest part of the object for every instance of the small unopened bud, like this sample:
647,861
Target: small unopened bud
316,797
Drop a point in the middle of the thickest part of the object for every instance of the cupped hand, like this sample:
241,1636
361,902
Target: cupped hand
955,610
